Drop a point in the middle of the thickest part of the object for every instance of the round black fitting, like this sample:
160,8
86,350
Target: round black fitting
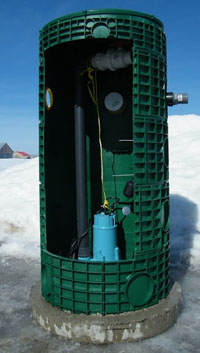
128,189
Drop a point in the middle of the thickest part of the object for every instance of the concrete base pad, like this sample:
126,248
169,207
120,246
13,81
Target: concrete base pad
125,327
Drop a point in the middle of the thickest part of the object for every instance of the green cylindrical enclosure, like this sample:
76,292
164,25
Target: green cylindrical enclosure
134,134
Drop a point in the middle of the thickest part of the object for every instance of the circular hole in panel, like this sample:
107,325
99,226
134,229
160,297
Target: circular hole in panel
111,22
89,23
139,288
164,218
48,98
114,102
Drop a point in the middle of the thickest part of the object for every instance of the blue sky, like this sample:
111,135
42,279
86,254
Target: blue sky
20,22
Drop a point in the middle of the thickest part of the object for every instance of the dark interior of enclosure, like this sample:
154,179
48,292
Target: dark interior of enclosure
60,63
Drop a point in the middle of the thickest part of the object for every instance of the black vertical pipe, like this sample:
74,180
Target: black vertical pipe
80,156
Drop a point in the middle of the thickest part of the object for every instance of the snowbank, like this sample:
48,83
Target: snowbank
6,163
184,167
19,195
19,210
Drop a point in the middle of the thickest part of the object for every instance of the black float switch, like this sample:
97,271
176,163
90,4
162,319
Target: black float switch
128,189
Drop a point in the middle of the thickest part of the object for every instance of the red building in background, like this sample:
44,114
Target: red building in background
23,155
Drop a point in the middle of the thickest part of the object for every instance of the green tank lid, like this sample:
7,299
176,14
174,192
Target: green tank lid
114,12
105,24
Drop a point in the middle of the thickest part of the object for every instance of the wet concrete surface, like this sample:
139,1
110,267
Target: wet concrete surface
20,334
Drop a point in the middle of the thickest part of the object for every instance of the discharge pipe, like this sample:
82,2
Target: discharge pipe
112,59
176,98
80,165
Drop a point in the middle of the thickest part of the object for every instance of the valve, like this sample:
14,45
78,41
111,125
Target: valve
176,98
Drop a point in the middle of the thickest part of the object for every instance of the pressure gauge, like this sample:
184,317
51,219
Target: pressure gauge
114,102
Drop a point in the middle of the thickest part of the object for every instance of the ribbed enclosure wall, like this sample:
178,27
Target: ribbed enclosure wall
141,277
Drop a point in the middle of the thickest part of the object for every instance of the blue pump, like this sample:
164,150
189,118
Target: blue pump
105,238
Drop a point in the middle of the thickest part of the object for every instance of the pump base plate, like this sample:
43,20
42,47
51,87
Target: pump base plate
125,327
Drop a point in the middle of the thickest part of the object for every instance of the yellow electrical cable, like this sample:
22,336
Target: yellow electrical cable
92,75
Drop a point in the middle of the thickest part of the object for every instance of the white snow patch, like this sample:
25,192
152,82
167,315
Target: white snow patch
95,332
41,321
19,210
109,335
10,162
64,330
130,334
126,334
184,171
137,333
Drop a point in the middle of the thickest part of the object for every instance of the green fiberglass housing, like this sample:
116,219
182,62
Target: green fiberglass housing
104,153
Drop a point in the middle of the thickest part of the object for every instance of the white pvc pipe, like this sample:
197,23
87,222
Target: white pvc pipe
113,59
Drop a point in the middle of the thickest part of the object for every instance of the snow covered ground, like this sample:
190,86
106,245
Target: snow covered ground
19,252
6,163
